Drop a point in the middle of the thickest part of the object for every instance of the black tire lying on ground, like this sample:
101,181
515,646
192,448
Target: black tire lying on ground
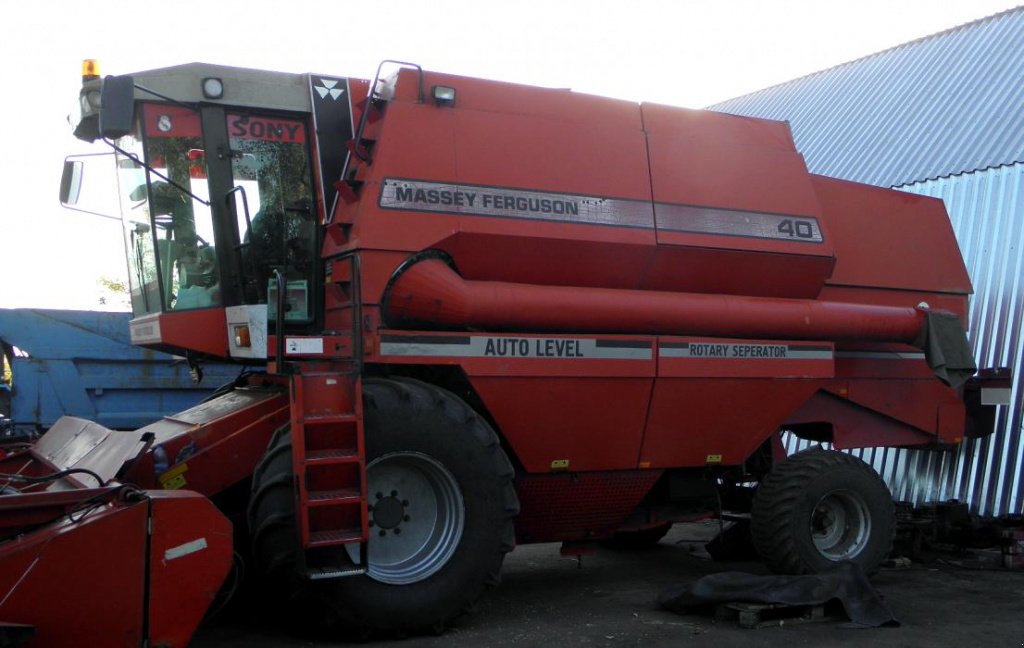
819,507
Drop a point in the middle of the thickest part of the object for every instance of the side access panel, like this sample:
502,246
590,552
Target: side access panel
732,194
716,400
562,402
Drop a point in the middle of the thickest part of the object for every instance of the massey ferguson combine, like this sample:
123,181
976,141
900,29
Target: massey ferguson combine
474,314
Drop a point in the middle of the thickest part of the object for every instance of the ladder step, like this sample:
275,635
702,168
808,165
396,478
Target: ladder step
323,419
327,573
333,497
334,537
331,456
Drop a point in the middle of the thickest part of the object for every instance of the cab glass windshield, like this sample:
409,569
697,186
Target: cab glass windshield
172,259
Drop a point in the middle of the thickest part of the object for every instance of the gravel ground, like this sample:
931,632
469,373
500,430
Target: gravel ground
609,600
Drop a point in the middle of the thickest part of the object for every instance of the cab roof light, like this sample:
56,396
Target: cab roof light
213,88
90,70
443,95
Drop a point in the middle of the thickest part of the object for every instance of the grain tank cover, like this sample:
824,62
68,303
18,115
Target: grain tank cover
732,193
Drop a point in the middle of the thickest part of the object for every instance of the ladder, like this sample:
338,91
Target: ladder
328,461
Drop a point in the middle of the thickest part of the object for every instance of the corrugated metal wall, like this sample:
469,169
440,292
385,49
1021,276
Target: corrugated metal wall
987,211
946,104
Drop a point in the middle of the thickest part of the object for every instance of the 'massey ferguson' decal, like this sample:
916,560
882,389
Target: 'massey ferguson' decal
473,200
488,346
743,351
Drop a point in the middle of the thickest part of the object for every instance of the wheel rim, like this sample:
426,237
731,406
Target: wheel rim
840,525
416,515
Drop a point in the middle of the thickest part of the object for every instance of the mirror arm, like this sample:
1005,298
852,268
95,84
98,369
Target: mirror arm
135,158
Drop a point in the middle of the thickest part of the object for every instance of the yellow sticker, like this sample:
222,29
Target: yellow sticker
560,464
174,478
714,458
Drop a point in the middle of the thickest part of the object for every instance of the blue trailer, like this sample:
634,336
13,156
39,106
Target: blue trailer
81,363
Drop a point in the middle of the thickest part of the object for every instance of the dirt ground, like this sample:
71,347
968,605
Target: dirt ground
610,600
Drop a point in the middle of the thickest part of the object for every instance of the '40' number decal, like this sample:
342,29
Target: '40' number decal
794,228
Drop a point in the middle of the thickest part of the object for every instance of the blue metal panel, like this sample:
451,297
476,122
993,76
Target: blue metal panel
942,105
81,363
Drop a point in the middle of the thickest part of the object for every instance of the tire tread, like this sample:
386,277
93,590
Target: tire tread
780,493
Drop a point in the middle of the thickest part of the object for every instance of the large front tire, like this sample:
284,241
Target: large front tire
437,475
819,507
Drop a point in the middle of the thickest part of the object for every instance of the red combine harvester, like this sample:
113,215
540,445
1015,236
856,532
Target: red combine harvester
487,314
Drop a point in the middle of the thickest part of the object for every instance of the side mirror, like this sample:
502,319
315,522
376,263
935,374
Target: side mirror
117,106
71,183
90,184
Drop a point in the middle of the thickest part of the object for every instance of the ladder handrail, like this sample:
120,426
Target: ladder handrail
358,149
279,321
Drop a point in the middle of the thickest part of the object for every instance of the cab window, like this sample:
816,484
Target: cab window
276,224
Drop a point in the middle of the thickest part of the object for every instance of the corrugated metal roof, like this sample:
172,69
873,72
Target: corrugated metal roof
941,105
987,212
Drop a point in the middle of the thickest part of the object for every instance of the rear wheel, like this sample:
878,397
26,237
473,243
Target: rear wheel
819,507
441,509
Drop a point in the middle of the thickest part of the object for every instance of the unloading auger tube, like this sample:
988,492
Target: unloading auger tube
429,292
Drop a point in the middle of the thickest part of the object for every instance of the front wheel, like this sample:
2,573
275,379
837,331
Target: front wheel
441,501
820,507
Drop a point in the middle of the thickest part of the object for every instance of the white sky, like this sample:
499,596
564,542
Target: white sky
688,53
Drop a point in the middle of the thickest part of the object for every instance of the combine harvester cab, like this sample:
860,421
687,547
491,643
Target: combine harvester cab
494,314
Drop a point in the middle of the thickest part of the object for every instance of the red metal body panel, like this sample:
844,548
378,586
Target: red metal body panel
189,557
209,447
79,584
680,401
886,239
679,265
696,421
81,580
215,444
203,330
854,426
588,423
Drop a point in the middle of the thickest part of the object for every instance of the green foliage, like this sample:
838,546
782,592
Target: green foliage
115,292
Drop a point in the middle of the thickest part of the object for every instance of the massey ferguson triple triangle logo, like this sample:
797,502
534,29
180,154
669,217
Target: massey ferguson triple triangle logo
327,87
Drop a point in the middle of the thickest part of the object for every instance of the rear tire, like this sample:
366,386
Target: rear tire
819,507
448,469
